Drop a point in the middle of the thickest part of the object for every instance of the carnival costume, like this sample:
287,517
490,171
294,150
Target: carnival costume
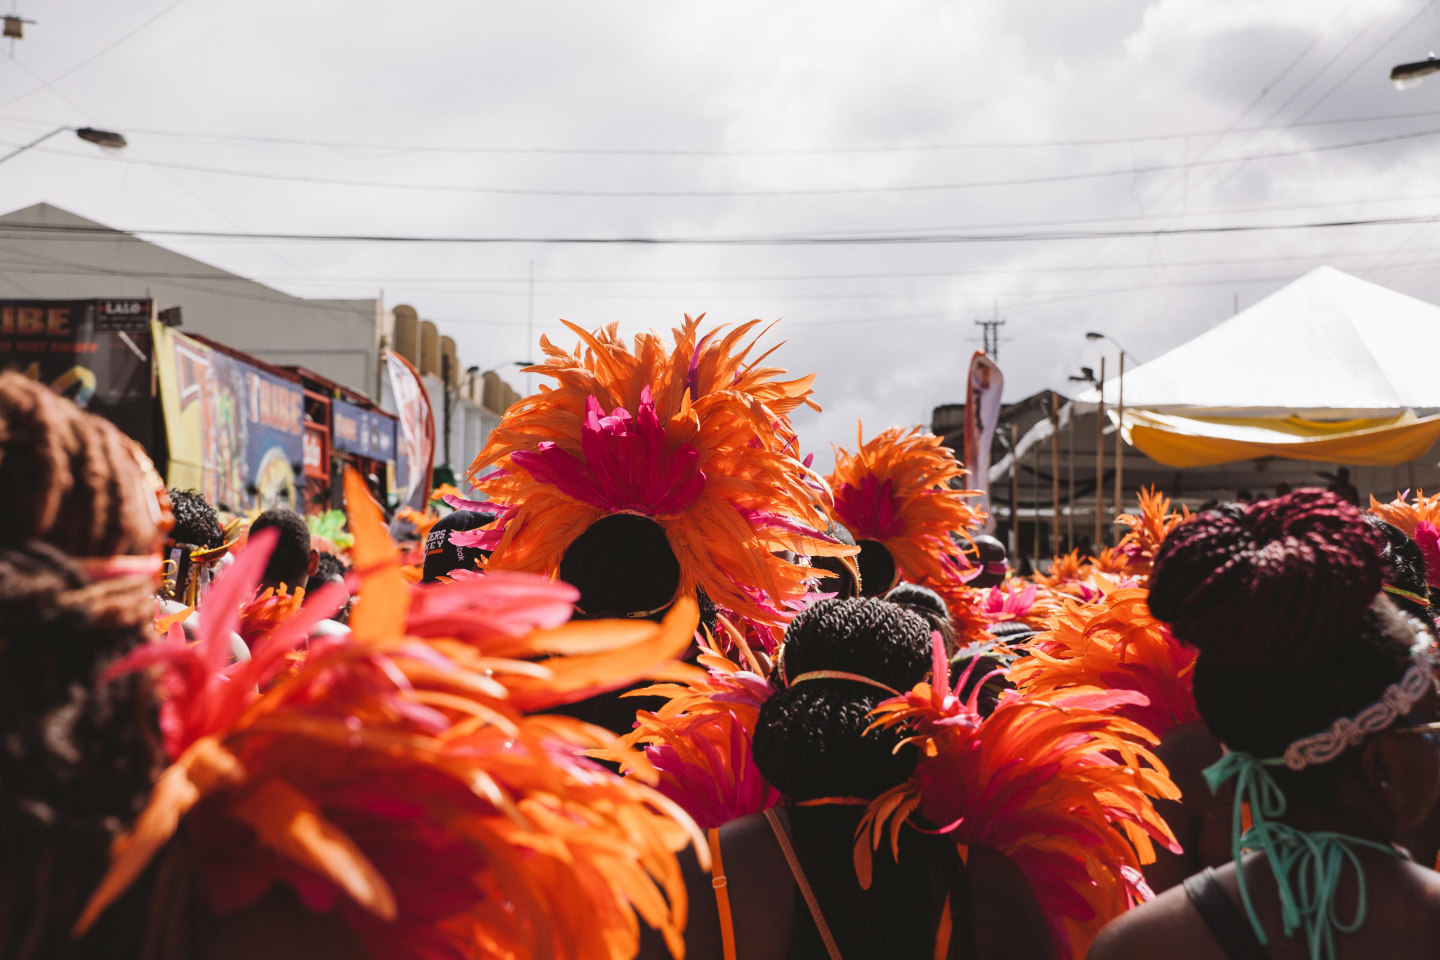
693,436
895,490
402,778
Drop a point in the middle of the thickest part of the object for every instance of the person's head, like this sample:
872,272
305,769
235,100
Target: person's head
623,566
928,604
79,563
442,556
1282,599
1405,581
293,559
811,739
197,527
878,572
328,569
846,582
990,557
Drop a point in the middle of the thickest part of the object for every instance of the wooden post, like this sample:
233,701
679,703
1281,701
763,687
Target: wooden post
1035,502
1070,469
1054,472
1120,441
1014,495
1098,542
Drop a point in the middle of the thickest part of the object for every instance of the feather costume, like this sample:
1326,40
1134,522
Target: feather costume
1058,786
1113,644
697,748
1147,530
387,781
896,489
695,436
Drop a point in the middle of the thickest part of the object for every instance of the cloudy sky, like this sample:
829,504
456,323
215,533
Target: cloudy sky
1055,124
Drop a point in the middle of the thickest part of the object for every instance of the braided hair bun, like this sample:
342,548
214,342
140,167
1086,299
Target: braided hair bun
1282,599
1254,582
811,739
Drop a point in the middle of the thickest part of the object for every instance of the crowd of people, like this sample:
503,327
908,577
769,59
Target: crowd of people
658,687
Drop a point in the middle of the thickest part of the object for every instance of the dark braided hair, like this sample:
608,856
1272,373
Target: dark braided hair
1282,599
1404,568
77,756
810,739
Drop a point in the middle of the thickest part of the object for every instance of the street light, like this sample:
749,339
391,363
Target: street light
475,371
1119,416
105,139
1407,75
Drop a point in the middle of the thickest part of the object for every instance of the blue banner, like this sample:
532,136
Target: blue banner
366,433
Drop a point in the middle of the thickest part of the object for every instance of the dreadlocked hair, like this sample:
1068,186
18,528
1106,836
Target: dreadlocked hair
1282,600
78,756
68,478
811,739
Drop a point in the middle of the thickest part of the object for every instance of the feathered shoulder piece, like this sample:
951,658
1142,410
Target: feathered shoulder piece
896,489
697,748
1146,531
1113,643
1060,785
692,433
394,778
1407,512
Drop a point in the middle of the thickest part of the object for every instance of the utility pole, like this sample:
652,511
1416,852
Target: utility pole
990,337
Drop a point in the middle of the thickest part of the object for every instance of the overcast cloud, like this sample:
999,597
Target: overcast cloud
890,328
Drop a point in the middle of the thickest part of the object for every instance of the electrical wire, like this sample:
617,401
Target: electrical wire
734,193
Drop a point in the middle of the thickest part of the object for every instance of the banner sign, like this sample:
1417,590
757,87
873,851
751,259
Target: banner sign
984,389
416,438
317,453
96,352
236,432
366,433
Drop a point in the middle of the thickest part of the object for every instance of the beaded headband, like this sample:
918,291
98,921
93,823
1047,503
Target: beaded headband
1398,700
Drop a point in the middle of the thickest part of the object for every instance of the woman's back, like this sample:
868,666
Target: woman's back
1402,917
993,914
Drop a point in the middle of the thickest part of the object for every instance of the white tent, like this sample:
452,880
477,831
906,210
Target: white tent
1330,368
1327,346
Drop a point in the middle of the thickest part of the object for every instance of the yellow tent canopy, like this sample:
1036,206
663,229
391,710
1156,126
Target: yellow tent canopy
1179,441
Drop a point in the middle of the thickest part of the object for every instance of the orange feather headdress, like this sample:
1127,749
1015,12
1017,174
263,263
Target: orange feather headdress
896,489
694,435
400,778
1062,786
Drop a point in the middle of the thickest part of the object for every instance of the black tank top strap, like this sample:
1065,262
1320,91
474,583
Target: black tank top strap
1228,925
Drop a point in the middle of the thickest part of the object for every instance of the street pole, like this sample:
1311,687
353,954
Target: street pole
1014,494
1070,469
1120,441
1099,463
1054,472
1035,502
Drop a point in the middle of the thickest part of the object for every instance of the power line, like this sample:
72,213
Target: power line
398,148
72,268
82,233
760,192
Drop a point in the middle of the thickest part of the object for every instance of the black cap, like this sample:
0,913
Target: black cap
441,556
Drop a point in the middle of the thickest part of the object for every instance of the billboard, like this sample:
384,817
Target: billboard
983,393
416,439
96,352
236,432
365,433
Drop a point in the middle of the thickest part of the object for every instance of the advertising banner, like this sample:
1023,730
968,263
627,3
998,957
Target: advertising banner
365,433
416,440
236,432
96,352
984,389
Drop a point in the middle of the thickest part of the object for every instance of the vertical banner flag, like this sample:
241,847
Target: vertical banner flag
984,388
417,431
